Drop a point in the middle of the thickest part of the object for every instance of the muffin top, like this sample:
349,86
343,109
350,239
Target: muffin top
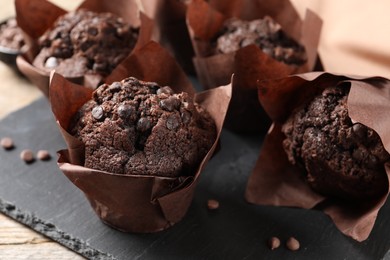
266,34
341,158
139,128
11,35
83,42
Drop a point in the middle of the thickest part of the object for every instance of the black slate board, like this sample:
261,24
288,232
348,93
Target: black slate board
40,196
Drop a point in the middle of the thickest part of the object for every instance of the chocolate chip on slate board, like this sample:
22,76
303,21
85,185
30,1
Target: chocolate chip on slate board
43,155
293,244
7,143
212,204
27,156
274,243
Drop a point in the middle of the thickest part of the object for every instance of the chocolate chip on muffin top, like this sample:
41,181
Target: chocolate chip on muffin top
266,34
139,128
342,158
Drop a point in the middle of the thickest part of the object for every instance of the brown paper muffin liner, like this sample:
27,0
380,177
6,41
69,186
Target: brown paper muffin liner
35,17
171,27
274,181
248,64
134,203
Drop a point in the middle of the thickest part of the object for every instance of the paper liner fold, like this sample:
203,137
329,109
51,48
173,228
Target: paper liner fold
249,64
134,203
34,26
171,29
274,181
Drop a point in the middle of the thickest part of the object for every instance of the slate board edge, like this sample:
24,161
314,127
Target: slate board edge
51,231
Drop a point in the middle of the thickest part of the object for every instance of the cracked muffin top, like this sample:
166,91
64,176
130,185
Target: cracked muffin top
139,128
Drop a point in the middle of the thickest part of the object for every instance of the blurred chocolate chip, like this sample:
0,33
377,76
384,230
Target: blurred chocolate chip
165,90
267,51
121,31
292,244
359,154
170,103
115,86
372,162
359,130
7,143
172,122
131,80
246,41
212,204
143,124
93,31
27,156
274,243
185,117
153,86
99,66
43,155
51,62
125,111
97,112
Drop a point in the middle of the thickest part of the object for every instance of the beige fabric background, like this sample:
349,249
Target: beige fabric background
355,37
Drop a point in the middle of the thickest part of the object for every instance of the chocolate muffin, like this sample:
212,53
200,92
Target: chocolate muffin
139,128
11,36
83,42
342,159
266,34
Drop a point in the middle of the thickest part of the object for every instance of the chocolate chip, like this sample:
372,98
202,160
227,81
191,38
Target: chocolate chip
153,86
267,51
212,204
97,112
43,155
274,243
125,111
165,90
359,130
51,62
246,41
292,244
99,66
27,156
121,31
185,117
115,86
143,124
131,80
172,122
7,143
170,104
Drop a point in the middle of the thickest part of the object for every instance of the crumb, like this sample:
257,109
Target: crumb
212,204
